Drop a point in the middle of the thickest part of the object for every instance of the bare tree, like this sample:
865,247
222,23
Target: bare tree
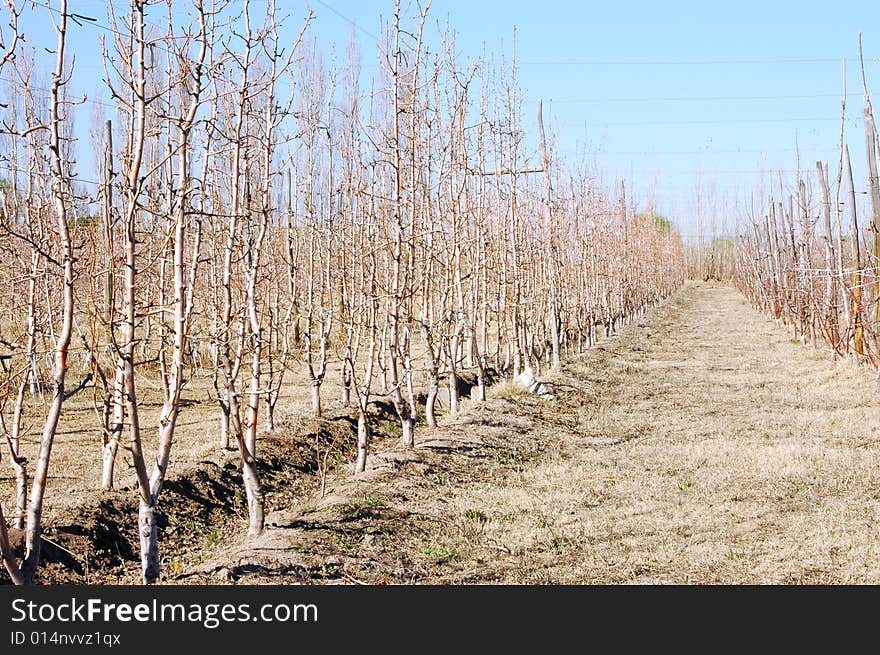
61,258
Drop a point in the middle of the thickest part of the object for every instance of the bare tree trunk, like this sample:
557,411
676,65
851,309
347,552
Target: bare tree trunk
269,425
19,463
315,388
111,446
363,441
33,528
225,443
830,303
431,396
453,392
553,318
397,300
480,360
347,380
111,441
371,302
363,433
248,447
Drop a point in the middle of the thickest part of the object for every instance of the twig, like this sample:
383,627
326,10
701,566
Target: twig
355,580
60,547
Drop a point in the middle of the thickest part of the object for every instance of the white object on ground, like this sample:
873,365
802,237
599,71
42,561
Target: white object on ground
527,380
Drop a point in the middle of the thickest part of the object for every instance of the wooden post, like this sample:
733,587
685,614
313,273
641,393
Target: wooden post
774,260
551,263
856,260
838,219
874,182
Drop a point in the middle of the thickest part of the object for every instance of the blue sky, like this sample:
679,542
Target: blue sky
660,93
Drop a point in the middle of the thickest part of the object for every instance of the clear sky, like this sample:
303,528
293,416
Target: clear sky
661,93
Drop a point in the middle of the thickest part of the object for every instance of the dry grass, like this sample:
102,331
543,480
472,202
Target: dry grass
712,449
507,390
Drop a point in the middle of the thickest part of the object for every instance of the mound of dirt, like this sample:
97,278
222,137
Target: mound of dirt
201,507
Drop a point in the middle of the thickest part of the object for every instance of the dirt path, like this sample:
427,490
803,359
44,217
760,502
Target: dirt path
702,446
739,457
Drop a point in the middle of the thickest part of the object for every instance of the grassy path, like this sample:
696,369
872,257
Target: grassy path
711,448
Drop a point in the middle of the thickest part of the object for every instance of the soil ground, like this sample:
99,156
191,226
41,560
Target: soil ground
699,445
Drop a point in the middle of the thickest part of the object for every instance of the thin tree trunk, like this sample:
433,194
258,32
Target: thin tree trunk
111,446
315,388
857,260
553,318
33,528
19,463
830,308
363,442
111,441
